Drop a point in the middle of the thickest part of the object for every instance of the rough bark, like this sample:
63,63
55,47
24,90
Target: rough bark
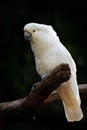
54,97
37,95
40,95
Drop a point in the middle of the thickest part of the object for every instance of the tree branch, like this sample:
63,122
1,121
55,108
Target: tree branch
41,94
54,97
37,96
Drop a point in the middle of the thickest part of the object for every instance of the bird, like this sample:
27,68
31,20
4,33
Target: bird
48,53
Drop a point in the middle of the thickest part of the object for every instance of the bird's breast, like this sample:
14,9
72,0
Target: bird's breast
46,63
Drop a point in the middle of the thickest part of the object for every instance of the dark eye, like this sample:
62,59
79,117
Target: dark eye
34,30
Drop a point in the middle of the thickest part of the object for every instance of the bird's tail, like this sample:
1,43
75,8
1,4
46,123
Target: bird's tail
72,107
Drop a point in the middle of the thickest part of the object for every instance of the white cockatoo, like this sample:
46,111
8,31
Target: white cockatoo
50,52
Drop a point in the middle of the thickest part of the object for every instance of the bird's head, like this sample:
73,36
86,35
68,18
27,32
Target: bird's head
41,36
35,31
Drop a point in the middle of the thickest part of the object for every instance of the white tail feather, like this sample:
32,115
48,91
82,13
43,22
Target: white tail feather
73,113
72,107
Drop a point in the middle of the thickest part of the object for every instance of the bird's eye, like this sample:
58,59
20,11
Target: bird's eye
33,30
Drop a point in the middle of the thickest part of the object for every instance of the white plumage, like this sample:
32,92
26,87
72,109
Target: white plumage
50,52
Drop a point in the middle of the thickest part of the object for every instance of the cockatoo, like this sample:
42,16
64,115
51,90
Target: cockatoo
50,52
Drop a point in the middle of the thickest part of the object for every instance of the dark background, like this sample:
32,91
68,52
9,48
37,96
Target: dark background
17,68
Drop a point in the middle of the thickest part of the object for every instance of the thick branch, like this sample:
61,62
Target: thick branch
41,94
54,97
37,96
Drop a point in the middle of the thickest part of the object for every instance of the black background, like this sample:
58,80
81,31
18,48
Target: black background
17,69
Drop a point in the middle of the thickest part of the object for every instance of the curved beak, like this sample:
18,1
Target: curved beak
27,36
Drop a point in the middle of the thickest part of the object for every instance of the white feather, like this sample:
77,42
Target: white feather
49,52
